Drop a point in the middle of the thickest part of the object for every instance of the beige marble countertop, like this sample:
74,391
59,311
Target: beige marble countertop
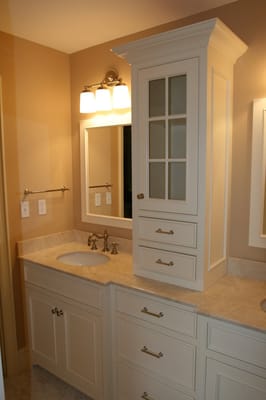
232,298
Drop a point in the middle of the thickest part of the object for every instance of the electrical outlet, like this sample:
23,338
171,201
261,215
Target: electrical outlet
98,199
42,210
24,209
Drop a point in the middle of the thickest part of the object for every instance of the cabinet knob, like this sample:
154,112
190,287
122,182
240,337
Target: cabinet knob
54,310
140,196
59,313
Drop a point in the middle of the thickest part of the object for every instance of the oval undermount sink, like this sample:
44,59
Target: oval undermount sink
83,258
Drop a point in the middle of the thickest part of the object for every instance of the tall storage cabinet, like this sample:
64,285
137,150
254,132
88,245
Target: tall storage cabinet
182,83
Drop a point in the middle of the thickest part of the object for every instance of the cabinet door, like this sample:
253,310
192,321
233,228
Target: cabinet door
167,137
83,356
225,382
42,329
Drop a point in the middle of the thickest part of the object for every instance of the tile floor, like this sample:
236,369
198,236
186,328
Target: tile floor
39,384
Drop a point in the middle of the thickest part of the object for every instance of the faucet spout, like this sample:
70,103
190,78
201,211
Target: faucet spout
105,236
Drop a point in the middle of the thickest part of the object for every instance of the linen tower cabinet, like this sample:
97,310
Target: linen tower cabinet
182,87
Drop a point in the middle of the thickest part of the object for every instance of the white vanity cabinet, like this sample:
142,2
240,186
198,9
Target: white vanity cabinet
181,131
155,347
65,316
233,360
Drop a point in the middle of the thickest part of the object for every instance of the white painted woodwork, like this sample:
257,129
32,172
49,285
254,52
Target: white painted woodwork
68,344
171,264
134,383
237,343
225,382
178,358
232,361
257,235
154,347
199,357
190,69
205,52
66,285
159,312
176,233
85,125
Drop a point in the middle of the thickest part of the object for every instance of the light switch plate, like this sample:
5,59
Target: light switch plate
24,209
108,198
42,210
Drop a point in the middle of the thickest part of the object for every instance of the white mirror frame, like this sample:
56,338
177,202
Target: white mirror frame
258,166
85,125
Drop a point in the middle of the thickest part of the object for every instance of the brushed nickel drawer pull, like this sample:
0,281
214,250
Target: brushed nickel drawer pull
151,353
169,264
157,315
146,396
159,230
140,196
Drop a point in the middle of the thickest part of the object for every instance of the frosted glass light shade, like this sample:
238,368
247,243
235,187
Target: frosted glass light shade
121,96
87,102
103,99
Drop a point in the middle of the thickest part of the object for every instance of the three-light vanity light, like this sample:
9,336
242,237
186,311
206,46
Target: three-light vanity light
111,93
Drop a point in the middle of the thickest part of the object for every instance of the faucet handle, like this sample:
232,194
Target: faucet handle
93,244
114,248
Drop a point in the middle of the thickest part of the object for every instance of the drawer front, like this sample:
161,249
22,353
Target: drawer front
164,355
170,232
160,313
240,343
135,384
60,283
171,264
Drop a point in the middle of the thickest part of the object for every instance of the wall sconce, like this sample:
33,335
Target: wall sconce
102,99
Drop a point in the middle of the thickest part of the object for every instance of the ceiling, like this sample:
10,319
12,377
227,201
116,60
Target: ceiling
73,25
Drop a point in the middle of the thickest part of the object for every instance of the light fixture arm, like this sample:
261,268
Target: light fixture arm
111,79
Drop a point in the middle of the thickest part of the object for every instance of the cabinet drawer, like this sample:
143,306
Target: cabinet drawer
170,232
240,343
135,384
60,283
160,313
171,264
164,355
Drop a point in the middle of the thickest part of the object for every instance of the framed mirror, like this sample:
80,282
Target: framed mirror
106,179
257,217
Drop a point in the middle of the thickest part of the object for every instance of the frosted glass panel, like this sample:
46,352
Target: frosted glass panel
157,139
177,94
177,138
157,98
177,181
157,180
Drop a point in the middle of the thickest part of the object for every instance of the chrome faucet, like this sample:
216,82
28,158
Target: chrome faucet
94,236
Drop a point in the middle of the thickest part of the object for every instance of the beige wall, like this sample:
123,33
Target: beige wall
247,19
37,134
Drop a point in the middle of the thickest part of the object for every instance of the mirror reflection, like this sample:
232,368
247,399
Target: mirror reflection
257,225
109,185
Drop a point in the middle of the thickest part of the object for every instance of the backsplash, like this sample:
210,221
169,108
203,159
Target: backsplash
55,239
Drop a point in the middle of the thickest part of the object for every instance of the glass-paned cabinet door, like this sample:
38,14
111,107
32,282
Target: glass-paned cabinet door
167,139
